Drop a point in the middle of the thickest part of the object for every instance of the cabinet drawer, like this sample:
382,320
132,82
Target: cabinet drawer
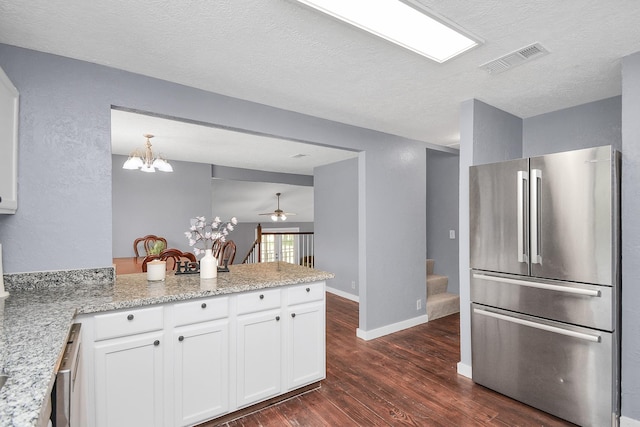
128,322
306,293
257,301
201,310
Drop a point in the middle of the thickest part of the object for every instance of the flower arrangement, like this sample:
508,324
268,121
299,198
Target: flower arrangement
207,233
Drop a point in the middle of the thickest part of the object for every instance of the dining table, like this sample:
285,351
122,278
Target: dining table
128,265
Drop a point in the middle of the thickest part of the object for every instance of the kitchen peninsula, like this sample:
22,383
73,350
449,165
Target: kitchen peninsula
177,352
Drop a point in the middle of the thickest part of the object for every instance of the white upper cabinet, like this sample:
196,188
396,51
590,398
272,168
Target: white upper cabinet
8,145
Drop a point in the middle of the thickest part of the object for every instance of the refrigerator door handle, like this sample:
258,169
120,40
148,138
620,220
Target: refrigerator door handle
536,325
523,193
547,286
534,216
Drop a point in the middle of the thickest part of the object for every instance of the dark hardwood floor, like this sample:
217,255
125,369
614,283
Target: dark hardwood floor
406,378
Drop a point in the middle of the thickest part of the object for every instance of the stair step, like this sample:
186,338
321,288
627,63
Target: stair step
437,284
441,305
430,264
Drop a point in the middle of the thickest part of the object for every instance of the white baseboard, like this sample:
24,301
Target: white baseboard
389,329
343,294
464,370
629,422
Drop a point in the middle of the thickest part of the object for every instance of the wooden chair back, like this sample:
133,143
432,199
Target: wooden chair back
216,247
172,256
148,241
227,253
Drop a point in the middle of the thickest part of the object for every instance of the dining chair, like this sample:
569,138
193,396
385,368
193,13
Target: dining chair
172,256
227,253
148,242
216,247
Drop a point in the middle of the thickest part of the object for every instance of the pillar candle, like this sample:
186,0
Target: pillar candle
156,270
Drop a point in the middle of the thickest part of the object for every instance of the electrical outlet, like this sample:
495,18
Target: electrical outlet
452,234
353,284
419,304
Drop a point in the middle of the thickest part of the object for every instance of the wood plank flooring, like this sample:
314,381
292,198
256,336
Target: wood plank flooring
406,378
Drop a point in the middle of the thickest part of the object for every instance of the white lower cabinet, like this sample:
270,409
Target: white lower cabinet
259,357
306,344
201,363
180,364
129,381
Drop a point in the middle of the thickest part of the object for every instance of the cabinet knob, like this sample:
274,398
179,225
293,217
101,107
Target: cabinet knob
180,338
156,343
130,317
277,318
204,305
261,296
308,289
293,315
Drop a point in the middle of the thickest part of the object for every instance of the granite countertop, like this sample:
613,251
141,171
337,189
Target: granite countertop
35,321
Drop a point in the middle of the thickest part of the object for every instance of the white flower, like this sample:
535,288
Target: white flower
208,233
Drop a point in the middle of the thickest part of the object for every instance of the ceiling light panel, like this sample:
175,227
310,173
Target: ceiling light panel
399,23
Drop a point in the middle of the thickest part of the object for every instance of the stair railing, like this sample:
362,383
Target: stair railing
303,243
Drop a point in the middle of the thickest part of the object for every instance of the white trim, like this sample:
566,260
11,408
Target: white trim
629,422
343,294
389,329
464,370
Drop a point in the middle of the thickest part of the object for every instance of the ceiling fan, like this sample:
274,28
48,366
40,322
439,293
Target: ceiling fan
278,214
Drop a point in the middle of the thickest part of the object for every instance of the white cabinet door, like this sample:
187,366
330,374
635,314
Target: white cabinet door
201,370
8,145
258,356
129,380
305,344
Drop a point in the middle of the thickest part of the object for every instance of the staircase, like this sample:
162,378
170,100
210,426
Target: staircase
440,303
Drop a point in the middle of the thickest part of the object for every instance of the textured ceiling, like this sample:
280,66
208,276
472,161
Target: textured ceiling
283,54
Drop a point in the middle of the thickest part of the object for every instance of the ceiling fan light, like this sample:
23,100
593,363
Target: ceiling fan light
274,217
283,217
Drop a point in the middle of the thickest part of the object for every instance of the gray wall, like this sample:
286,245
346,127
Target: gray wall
240,174
442,214
630,236
336,244
65,173
158,203
588,125
487,135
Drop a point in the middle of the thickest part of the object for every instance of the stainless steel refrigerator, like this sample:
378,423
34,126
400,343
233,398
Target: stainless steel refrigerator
545,282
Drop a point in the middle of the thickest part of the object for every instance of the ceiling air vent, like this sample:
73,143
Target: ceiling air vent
513,59
298,156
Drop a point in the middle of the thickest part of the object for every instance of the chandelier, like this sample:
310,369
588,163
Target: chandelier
146,161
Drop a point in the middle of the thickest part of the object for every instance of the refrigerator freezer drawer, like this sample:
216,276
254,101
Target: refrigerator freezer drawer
562,369
581,304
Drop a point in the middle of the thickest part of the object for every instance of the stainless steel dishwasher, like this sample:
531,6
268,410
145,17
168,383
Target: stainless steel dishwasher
66,396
